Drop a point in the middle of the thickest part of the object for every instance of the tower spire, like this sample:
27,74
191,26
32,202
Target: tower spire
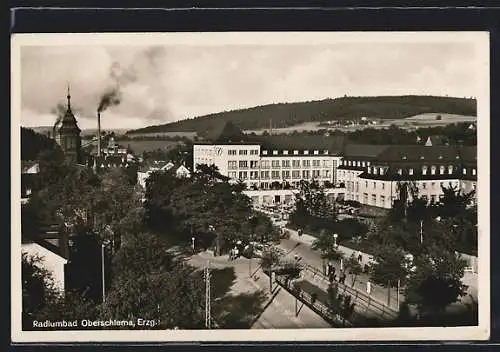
69,99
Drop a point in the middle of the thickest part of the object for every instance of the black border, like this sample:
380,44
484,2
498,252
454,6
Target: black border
305,16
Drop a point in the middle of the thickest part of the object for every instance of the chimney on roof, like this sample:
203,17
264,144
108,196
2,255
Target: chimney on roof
98,133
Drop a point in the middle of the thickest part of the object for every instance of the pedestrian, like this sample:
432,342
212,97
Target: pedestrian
360,257
236,253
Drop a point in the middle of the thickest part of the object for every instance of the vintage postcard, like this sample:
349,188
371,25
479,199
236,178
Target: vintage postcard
321,186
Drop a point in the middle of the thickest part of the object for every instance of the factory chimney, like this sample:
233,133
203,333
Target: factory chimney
98,133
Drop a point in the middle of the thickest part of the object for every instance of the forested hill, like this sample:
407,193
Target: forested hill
289,114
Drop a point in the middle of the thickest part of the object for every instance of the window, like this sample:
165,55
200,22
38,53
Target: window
433,184
243,164
374,185
400,171
424,170
231,174
254,164
433,170
285,152
374,199
381,171
306,163
231,152
231,165
316,163
450,170
275,175
306,152
275,152
464,171
363,164
368,163
359,163
357,186
296,163
264,152
254,152
349,162
264,175
286,174
264,164
275,163
382,201
254,175
306,174
383,185
441,170
375,170
295,174
369,170
473,172
326,173
316,152
285,163
424,185
365,198
410,172
243,152
316,173
295,152
366,184
325,151
242,175
326,163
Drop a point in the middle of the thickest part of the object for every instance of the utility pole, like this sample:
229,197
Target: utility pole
208,305
421,231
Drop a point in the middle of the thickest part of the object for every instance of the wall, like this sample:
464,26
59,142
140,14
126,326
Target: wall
50,261
286,195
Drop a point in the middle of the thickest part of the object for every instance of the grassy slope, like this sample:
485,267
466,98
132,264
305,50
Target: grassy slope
289,114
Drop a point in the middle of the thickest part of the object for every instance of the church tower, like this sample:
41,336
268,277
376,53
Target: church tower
67,134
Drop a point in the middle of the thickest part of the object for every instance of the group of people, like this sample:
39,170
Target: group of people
333,276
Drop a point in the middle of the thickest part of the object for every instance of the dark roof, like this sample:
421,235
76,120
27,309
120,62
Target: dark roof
352,150
468,154
334,144
225,133
409,153
66,122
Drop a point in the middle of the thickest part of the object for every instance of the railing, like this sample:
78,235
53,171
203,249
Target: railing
361,299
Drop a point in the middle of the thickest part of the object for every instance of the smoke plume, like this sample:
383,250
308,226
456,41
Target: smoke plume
110,98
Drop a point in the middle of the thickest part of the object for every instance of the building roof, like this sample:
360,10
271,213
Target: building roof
225,133
419,153
26,165
352,150
436,140
66,122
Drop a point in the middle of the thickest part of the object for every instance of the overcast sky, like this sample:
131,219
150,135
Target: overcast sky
168,83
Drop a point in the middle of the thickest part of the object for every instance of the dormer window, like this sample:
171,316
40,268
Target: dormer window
421,158
440,157
325,151
363,164
285,152
306,152
433,170
381,171
404,157
424,170
349,163
441,170
473,172
369,170
295,152
450,169
400,171
368,163
275,152
457,157
464,171
316,152
264,152
359,163
410,171
375,170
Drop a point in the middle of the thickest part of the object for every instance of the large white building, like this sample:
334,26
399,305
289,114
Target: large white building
264,162
369,174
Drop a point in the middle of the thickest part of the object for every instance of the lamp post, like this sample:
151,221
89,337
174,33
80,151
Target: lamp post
335,239
103,258
421,231
192,243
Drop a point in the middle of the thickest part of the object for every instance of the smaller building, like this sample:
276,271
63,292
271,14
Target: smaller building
29,178
145,171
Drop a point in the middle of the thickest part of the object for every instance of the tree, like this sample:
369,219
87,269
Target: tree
437,281
390,265
325,243
150,282
454,201
354,268
339,304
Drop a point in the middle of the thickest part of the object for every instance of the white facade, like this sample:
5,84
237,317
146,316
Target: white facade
260,168
181,171
284,196
50,261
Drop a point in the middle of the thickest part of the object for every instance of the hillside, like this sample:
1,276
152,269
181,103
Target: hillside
290,114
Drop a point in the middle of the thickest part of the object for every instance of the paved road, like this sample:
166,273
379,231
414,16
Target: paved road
313,258
279,307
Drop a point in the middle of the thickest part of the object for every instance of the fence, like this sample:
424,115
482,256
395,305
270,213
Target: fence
363,301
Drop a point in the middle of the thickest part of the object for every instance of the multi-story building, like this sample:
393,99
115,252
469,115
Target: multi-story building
429,168
263,161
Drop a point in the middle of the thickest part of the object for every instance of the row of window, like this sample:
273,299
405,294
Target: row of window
355,163
280,175
354,186
266,164
425,170
295,152
243,152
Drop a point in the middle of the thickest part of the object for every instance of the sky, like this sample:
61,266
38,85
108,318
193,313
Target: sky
166,83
